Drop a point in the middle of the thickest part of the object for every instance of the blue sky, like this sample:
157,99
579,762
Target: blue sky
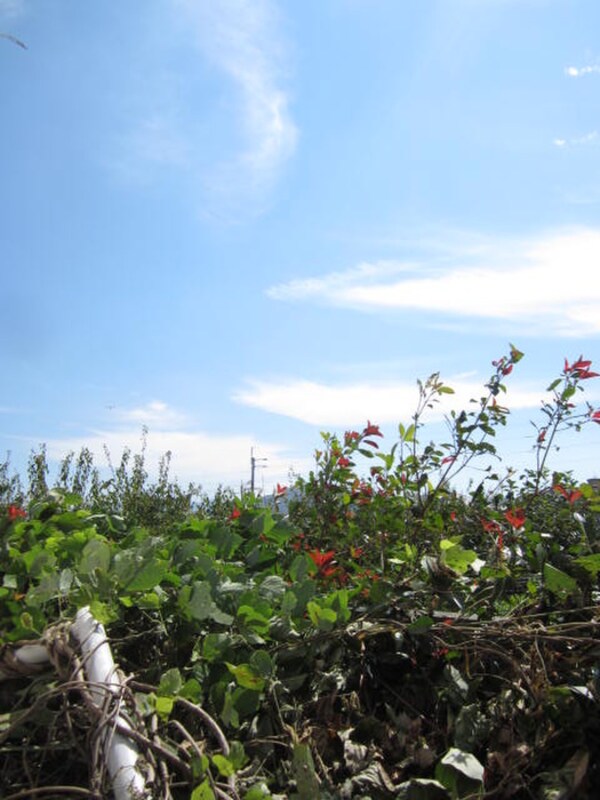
241,222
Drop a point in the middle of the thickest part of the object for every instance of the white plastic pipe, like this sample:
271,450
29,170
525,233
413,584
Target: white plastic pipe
26,659
121,753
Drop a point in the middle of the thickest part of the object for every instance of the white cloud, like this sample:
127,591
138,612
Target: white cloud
587,138
578,72
345,405
546,286
154,413
208,459
242,38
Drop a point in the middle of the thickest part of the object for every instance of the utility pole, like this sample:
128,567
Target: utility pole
254,465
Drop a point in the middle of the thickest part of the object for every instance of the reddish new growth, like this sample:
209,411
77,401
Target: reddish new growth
491,526
580,369
235,514
570,496
14,512
372,430
515,517
323,562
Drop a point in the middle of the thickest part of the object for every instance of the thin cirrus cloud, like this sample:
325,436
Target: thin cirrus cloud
242,39
344,405
542,286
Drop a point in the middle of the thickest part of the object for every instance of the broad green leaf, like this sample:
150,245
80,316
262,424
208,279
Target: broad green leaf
164,706
149,600
253,619
263,664
95,556
200,604
322,618
170,682
461,773
147,576
590,563
557,581
103,612
259,791
203,792
246,676
272,588
223,765
458,559
191,690
420,625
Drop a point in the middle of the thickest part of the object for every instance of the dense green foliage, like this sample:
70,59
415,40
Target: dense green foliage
368,633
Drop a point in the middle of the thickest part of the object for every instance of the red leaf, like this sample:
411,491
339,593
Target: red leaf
515,517
372,430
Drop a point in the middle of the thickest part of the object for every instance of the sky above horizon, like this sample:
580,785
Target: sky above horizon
238,223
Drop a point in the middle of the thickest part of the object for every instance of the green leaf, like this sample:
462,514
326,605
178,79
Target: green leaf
147,576
461,773
272,588
590,563
253,619
516,354
262,662
303,766
557,581
246,676
457,559
95,556
164,706
420,625
200,604
191,690
223,765
103,612
203,792
170,682
322,618
259,791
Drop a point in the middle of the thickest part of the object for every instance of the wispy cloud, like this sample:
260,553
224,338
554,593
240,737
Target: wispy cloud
593,137
344,405
242,38
155,143
540,286
578,72
208,459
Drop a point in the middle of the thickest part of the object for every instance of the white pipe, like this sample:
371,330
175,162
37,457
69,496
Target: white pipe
121,753
28,659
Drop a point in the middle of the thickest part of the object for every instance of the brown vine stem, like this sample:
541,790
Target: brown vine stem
60,791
